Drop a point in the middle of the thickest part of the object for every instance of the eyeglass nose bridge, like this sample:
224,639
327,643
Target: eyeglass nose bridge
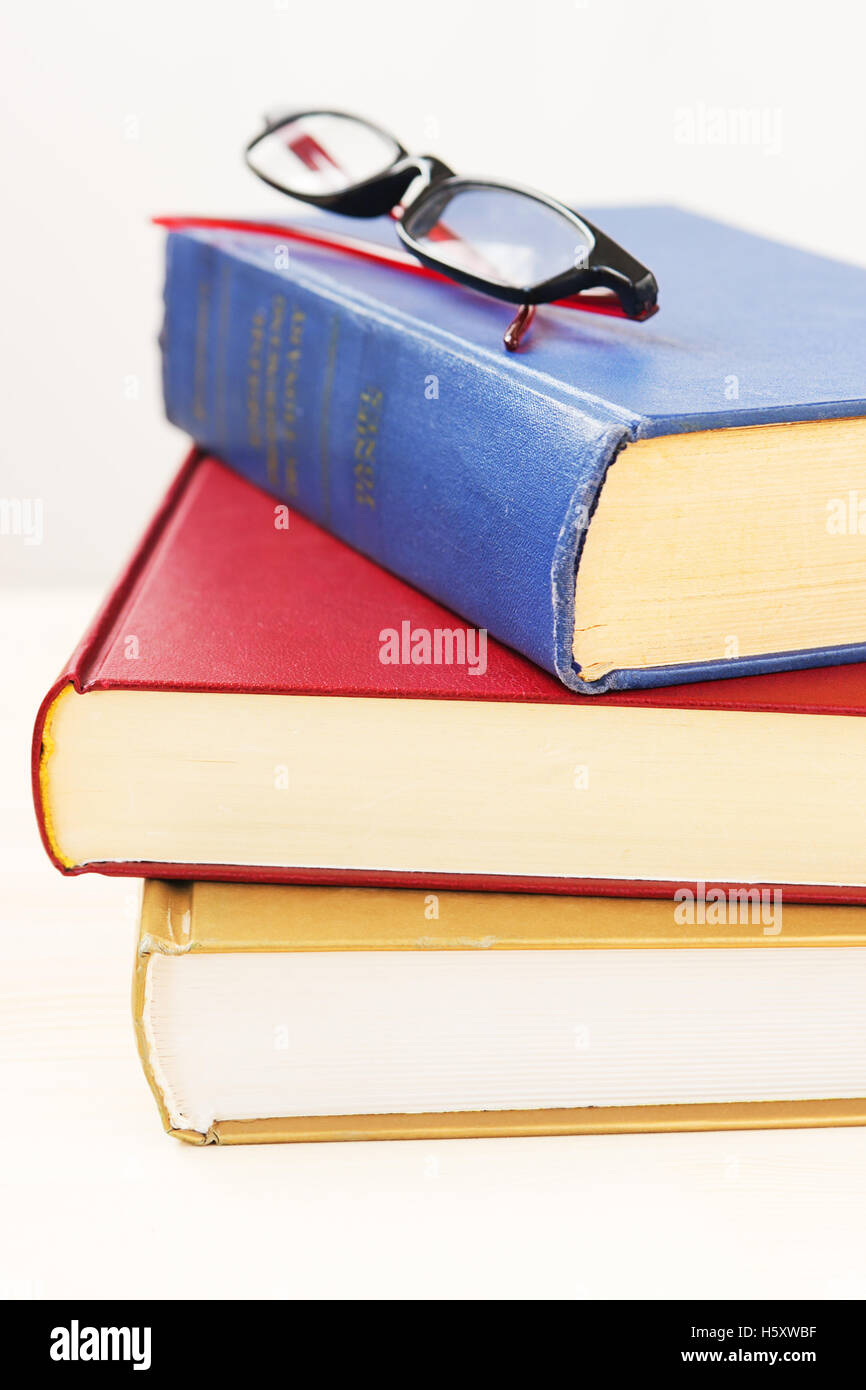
410,174
425,173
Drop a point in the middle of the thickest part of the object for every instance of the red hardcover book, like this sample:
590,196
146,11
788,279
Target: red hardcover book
257,701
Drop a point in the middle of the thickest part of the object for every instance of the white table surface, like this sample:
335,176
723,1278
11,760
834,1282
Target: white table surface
97,1201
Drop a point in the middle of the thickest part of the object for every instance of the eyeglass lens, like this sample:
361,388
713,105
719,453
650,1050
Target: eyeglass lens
320,154
502,235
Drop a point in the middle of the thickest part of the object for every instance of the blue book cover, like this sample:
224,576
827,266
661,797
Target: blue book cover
383,406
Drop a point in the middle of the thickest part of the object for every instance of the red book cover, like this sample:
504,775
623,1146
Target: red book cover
223,598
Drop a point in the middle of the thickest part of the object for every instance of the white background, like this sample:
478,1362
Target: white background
114,111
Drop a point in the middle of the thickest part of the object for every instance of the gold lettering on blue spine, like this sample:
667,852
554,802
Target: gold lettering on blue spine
327,392
276,317
254,377
200,371
367,423
290,400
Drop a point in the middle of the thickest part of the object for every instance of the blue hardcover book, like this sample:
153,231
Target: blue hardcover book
628,504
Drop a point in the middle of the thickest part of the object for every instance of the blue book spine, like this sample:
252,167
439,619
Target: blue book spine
473,485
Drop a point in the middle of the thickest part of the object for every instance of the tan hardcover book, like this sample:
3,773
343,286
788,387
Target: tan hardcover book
269,1013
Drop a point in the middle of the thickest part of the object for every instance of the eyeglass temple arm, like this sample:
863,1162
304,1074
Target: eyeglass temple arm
519,327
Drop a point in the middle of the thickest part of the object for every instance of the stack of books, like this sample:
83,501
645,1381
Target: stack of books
489,730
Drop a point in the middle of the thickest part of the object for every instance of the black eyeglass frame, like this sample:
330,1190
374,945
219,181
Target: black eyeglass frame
607,265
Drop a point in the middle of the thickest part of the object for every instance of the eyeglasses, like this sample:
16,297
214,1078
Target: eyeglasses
508,242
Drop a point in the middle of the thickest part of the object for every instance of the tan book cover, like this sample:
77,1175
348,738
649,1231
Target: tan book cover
238,919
